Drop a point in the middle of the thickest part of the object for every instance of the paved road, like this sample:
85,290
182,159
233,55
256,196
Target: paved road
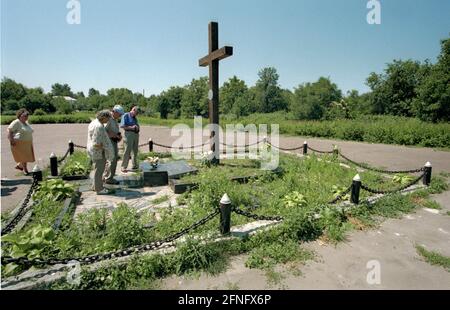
341,267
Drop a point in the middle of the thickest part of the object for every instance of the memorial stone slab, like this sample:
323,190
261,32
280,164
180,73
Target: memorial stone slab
163,172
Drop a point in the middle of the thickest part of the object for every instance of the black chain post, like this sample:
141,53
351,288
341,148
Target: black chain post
427,174
225,215
53,165
37,174
356,187
335,151
71,147
305,148
150,145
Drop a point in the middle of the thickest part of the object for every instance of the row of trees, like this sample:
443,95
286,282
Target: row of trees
405,88
15,95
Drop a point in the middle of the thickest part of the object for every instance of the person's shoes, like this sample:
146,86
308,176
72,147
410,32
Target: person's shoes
124,170
106,192
26,173
18,167
112,182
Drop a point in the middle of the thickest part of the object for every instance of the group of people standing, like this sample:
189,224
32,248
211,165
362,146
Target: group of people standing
102,143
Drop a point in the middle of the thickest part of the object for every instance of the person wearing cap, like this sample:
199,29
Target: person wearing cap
113,131
100,149
130,124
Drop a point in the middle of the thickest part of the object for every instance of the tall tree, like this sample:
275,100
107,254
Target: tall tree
122,96
11,90
269,95
433,102
394,91
93,92
195,98
61,90
312,100
231,91
170,102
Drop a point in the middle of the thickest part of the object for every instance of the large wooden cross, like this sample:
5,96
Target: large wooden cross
212,60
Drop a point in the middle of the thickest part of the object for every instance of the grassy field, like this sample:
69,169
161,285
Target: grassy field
375,129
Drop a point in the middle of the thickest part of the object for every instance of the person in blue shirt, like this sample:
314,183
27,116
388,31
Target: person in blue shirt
131,127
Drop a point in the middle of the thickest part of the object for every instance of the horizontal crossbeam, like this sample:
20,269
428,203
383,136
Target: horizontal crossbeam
219,54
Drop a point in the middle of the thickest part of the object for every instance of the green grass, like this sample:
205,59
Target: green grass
431,204
434,258
160,200
269,255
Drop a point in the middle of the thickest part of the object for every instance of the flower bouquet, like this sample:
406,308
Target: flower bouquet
207,158
154,161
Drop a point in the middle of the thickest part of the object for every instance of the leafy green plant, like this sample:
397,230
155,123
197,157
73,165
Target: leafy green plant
30,244
54,189
338,191
75,168
334,224
76,164
402,179
294,199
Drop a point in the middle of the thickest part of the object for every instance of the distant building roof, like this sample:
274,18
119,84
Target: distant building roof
66,97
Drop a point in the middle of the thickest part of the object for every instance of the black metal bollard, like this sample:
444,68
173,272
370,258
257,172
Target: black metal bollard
37,174
71,147
356,188
150,145
53,165
427,176
225,215
305,148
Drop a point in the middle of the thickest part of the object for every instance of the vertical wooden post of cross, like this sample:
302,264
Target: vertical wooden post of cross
212,60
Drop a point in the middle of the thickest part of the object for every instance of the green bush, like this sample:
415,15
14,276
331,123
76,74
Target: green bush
53,118
39,112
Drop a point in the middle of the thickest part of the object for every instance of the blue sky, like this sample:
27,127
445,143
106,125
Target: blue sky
151,45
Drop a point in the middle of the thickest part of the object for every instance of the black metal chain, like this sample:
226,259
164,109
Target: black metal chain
113,254
284,148
340,196
364,166
321,152
80,146
378,191
244,145
179,147
64,157
256,216
22,211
